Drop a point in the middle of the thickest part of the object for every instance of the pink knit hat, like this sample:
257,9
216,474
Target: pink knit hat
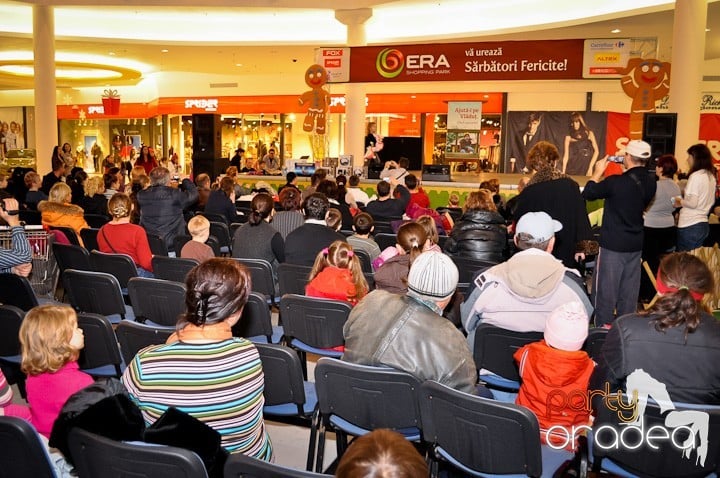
567,327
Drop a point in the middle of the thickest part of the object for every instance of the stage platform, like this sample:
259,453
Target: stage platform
438,191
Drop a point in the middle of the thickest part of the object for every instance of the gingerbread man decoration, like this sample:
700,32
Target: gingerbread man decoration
318,98
645,81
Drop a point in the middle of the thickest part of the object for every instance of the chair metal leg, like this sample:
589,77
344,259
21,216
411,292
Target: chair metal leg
321,447
314,425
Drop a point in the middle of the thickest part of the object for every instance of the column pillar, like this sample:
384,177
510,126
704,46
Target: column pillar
46,125
688,56
355,92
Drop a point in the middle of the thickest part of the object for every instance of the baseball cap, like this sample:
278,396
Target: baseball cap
567,327
639,149
434,275
539,225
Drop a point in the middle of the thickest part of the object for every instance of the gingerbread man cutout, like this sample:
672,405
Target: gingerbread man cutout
318,98
645,81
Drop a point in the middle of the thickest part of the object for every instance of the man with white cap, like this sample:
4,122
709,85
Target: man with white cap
616,281
408,332
520,294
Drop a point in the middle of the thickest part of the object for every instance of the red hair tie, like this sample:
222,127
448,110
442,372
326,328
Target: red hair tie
663,289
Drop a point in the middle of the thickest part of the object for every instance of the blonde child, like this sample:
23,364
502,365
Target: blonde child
337,274
199,228
51,341
557,367
428,223
33,181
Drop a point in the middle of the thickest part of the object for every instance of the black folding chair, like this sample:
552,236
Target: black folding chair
121,266
69,256
157,245
23,453
255,323
172,268
385,240
89,238
479,436
101,356
16,290
357,399
160,302
594,342
134,337
243,466
11,319
293,278
96,221
262,277
69,232
221,232
99,456
97,293
365,261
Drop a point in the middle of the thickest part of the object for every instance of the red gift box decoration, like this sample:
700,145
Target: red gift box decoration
111,102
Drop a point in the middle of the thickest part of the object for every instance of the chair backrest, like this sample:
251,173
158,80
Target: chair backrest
368,397
11,318
220,231
69,232
99,456
29,216
283,375
119,265
96,221
213,217
157,245
243,466
365,261
160,301
70,256
134,336
482,434
667,459
261,275
468,267
383,226
23,453
455,212
182,239
385,240
316,322
16,290
89,238
94,292
293,278
494,349
594,342
172,268
101,345
255,319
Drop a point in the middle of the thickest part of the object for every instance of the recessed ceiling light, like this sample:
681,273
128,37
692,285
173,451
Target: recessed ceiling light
707,29
413,96
238,64
164,50
486,96
111,53
616,30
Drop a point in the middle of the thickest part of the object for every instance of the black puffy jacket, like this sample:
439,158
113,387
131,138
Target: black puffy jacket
478,234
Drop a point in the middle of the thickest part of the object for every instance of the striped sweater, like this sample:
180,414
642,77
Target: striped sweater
219,383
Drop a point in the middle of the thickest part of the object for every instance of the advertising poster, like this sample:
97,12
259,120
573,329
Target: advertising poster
464,122
604,57
579,137
336,62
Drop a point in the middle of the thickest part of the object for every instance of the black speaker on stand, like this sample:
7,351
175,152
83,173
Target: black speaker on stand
207,146
659,132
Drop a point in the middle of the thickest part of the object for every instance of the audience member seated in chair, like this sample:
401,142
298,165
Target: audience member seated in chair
303,244
385,207
222,201
363,226
521,293
422,342
393,264
16,260
257,239
381,453
57,211
196,248
202,369
337,275
119,236
481,232
557,367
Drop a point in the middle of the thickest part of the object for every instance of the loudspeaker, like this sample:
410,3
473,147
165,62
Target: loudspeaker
659,133
207,145
436,172
396,147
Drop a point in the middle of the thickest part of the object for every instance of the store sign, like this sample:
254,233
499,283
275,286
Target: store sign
710,102
605,58
336,62
511,60
96,110
464,122
204,104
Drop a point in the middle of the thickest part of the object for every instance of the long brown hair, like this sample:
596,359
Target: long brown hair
412,237
341,255
687,274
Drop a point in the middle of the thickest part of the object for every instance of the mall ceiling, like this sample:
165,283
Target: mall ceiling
255,56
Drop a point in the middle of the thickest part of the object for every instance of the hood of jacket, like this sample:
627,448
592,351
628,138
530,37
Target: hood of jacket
471,218
557,368
59,208
531,273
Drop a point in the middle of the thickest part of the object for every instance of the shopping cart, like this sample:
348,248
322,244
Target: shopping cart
44,275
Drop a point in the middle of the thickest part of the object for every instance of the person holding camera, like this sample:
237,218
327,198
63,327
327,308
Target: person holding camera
16,260
616,280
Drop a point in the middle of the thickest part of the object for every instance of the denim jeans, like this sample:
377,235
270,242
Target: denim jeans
692,237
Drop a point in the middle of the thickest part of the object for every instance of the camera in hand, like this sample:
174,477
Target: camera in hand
14,212
616,159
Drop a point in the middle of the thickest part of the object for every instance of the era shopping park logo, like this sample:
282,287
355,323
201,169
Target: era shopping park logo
390,62
640,386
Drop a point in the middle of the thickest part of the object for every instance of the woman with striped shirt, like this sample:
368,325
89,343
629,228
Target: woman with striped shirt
202,369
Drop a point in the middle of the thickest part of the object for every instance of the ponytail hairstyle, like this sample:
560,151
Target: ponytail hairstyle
427,222
683,280
340,254
262,206
411,237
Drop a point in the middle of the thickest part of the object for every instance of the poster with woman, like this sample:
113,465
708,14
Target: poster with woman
12,130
